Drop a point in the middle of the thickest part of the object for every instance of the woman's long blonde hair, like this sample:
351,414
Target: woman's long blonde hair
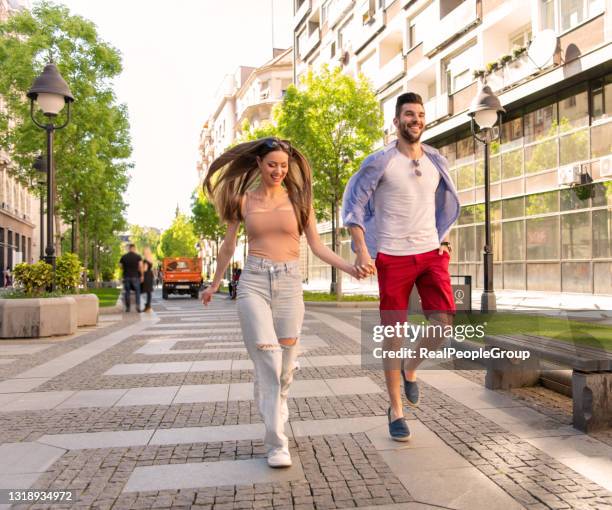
236,171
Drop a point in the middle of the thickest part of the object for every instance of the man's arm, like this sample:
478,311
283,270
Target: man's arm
363,261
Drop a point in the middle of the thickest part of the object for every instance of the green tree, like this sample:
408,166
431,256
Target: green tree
206,223
336,121
249,132
179,240
145,237
91,153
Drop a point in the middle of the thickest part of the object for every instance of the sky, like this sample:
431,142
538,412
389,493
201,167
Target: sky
175,55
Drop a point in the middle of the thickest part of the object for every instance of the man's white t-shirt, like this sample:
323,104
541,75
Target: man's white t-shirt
406,207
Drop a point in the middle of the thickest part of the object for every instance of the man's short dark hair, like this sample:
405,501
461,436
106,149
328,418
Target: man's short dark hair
131,246
407,97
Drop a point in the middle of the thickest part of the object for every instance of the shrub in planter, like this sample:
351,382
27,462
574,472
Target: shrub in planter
478,74
517,52
504,60
68,272
34,278
491,66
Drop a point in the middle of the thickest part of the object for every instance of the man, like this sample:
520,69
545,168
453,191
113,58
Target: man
400,207
133,275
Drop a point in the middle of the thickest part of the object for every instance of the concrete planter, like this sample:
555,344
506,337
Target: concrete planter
88,309
37,317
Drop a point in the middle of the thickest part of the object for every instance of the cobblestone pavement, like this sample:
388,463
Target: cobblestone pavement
162,417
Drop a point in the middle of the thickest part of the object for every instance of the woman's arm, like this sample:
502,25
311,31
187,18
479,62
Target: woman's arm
225,253
322,251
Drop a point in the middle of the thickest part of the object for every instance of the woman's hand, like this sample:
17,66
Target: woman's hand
207,295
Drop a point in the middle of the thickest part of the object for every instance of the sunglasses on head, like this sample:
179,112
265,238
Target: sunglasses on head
275,144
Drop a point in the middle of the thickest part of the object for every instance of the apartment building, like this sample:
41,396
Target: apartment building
550,62
19,210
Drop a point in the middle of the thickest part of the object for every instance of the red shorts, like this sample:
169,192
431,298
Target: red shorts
397,274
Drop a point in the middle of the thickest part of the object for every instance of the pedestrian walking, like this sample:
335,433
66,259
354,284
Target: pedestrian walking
133,276
399,208
7,277
147,283
267,183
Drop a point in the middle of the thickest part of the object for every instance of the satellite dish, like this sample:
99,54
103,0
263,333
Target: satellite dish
542,48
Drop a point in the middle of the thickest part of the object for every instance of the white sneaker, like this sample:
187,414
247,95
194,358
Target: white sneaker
279,458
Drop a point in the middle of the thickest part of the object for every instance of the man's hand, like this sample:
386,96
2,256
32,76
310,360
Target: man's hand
443,248
364,264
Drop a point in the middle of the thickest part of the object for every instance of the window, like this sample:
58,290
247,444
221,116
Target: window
562,15
447,6
324,10
457,69
521,37
513,207
368,9
462,80
541,122
601,99
542,203
543,238
602,233
574,110
576,236
541,156
513,240
512,164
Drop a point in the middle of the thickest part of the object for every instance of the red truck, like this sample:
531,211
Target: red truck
181,275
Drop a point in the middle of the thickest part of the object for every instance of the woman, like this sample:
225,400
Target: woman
268,185
147,283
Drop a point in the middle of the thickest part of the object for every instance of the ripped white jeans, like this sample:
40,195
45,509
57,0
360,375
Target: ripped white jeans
271,307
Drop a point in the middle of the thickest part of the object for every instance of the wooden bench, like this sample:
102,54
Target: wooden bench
591,373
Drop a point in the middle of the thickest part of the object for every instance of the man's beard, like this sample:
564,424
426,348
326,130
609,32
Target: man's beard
405,133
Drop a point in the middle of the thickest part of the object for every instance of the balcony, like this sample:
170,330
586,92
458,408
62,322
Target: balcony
369,31
436,108
390,72
462,99
311,43
513,72
455,23
301,13
336,10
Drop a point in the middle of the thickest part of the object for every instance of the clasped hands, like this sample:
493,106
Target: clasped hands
363,266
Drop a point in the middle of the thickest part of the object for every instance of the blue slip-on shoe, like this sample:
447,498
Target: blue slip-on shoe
398,429
411,390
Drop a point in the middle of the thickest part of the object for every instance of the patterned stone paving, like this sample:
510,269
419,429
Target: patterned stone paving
487,466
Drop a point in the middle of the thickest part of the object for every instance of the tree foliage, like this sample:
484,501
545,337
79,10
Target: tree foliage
336,121
145,237
179,240
92,152
206,223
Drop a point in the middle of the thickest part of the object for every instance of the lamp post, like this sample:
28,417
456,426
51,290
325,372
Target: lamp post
51,93
485,111
41,166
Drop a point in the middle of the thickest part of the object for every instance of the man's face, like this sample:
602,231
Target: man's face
411,122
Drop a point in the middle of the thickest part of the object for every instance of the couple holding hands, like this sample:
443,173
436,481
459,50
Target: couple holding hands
399,208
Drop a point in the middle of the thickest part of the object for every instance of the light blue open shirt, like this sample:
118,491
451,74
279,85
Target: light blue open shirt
358,208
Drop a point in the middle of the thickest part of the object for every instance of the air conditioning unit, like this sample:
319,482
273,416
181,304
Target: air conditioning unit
569,175
605,166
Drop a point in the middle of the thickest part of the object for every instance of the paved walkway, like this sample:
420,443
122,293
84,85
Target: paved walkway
156,411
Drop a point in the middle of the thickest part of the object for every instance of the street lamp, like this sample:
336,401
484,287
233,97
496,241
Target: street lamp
51,93
485,111
41,166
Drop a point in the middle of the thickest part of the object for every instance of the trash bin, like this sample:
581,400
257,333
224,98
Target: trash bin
462,293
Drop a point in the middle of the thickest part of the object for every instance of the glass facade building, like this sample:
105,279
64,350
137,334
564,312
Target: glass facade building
545,236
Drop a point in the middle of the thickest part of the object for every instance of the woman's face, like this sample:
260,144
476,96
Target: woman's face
273,166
